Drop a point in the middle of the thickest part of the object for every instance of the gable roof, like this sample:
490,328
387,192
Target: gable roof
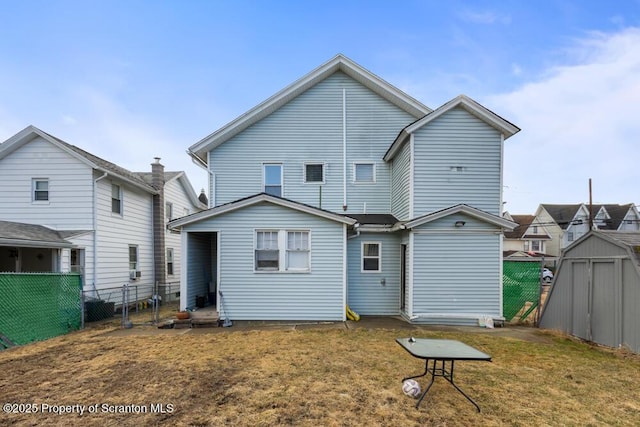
630,240
255,199
563,215
31,235
505,127
616,213
31,132
465,209
338,63
524,223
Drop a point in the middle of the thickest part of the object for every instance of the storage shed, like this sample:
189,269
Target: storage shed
596,292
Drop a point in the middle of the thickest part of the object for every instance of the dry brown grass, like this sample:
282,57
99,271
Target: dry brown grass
316,377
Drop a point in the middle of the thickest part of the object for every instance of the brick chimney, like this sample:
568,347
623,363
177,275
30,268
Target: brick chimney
159,224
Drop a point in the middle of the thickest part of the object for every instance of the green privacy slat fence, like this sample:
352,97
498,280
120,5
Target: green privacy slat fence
520,284
37,306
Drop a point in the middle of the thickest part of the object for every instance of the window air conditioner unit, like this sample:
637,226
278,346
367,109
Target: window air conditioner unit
133,274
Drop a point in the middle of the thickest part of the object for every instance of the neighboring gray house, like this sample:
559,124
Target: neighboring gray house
596,292
568,223
342,189
74,211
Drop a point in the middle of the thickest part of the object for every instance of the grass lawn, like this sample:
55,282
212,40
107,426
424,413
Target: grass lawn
314,377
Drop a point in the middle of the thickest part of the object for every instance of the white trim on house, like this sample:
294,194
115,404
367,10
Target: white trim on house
362,256
259,198
465,209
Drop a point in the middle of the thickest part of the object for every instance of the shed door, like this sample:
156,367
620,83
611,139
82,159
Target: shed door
580,299
603,304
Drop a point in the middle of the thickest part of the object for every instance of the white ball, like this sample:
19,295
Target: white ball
411,388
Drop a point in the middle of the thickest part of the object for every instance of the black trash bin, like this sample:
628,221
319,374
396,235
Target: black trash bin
200,301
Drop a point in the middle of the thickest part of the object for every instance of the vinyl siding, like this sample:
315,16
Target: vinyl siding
116,232
457,139
70,204
310,129
400,182
366,292
198,277
176,194
250,295
456,273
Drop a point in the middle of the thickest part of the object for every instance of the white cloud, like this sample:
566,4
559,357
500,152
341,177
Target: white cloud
579,121
484,17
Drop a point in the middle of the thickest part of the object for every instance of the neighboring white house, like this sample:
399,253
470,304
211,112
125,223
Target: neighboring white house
528,240
342,189
103,214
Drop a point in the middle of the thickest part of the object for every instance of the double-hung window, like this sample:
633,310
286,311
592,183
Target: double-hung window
272,178
133,258
170,261
282,250
298,250
116,199
371,257
168,211
267,254
40,190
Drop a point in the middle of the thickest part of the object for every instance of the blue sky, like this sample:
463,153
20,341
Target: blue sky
131,80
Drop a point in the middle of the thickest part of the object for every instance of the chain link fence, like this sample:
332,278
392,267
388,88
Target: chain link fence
521,282
37,306
131,304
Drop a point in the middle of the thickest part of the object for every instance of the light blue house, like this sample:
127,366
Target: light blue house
341,189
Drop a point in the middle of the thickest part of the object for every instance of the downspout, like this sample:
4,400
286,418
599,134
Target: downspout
95,226
344,149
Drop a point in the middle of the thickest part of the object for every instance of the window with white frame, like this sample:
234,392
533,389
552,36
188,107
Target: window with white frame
364,172
282,250
570,236
133,258
40,190
297,250
170,261
168,210
116,199
371,261
536,245
272,178
526,245
267,253
314,173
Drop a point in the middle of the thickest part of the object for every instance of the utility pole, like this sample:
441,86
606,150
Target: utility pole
590,207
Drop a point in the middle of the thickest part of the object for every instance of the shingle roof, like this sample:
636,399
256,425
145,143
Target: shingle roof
562,214
524,222
106,165
17,233
374,219
148,176
616,212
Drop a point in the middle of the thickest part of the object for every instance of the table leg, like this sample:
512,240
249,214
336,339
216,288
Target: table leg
450,379
433,377
426,371
441,371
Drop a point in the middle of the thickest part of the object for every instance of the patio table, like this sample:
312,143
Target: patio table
443,354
